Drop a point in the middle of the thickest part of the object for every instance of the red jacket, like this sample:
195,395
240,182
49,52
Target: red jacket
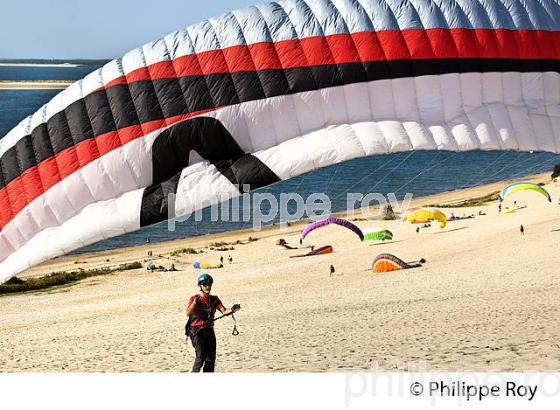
204,310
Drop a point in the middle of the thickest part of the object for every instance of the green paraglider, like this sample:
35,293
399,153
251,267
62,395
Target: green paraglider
378,235
521,186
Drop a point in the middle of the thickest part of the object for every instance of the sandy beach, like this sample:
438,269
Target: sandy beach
34,85
487,299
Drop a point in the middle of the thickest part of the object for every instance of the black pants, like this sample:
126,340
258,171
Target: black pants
204,343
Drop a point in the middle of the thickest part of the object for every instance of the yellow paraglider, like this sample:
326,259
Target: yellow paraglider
521,186
428,213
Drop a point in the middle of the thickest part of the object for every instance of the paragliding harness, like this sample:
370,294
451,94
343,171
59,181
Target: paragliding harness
191,331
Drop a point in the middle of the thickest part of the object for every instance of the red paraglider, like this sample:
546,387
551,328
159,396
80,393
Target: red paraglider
267,93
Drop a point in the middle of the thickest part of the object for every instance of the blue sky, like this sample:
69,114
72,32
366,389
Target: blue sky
96,28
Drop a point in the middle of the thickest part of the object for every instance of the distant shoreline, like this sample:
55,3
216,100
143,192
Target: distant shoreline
63,65
34,84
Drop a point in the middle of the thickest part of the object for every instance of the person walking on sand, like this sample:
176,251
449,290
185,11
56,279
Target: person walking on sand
522,230
200,325
332,270
222,260
499,208
230,259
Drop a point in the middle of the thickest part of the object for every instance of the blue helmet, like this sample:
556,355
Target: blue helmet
205,277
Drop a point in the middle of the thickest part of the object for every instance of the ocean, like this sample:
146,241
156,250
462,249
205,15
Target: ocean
419,173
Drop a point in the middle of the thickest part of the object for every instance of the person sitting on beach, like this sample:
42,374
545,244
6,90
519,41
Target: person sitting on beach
200,326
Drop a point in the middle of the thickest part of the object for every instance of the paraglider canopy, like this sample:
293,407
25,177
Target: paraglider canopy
328,221
387,262
521,186
204,265
427,214
378,235
264,94
323,250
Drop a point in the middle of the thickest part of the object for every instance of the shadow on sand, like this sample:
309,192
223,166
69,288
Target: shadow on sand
452,230
384,243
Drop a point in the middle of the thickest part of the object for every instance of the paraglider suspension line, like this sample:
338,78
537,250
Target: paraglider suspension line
234,332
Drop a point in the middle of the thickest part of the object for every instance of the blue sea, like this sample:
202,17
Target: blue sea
420,173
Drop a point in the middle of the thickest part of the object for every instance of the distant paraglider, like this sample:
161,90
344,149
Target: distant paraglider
427,214
387,262
323,250
204,265
378,235
521,186
328,221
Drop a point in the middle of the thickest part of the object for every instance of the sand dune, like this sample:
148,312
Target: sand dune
487,299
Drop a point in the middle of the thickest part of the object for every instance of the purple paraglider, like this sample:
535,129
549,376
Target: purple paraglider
328,221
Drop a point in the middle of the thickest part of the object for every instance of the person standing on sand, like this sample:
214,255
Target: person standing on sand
221,260
522,230
200,325
230,259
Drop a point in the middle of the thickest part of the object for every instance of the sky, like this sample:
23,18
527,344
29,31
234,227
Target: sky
66,29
